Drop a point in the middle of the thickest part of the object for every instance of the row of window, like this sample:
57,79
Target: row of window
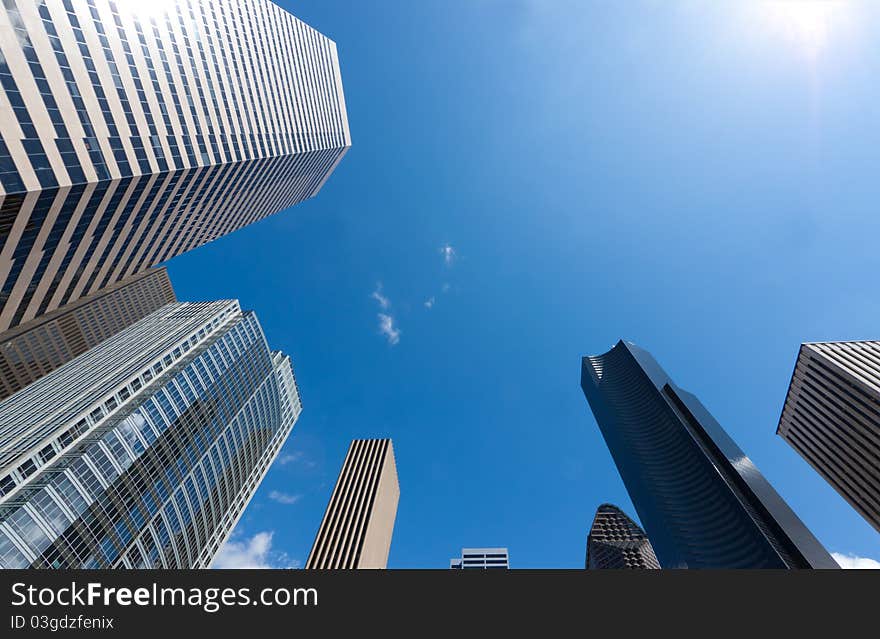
188,447
294,67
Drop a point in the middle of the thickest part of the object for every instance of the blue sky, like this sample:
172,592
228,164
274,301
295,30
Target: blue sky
697,177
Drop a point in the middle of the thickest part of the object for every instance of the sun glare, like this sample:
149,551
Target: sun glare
808,25
148,8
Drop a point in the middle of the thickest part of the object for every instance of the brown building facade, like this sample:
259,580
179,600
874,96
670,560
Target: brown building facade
831,417
359,521
36,348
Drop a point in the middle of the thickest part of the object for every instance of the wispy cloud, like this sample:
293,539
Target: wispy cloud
854,561
388,329
255,552
289,458
296,457
429,303
384,302
448,253
284,498
446,286
386,321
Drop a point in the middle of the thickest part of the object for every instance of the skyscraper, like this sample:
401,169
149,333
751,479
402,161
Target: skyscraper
616,541
702,502
359,520
145,450
37,347
481,559
831,417
135,131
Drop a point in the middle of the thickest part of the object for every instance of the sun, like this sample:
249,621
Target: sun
808,25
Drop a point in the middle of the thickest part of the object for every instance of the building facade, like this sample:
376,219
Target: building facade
831,417
144,451
131,132
37,347
481,559
617,542
703,503
359,521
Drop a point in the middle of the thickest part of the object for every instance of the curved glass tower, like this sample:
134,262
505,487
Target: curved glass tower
145,450
702,502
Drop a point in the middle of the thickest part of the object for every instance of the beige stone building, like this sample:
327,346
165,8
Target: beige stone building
359,521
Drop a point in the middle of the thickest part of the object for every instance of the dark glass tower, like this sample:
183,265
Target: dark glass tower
702,502
616,541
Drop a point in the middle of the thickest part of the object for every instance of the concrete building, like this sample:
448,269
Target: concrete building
831,417
34,349
131,132
481,559
359,521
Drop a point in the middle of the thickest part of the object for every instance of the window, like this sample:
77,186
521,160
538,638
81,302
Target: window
27,469
47,453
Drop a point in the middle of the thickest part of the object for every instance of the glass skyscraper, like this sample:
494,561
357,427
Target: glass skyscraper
133,131
703,503
145,450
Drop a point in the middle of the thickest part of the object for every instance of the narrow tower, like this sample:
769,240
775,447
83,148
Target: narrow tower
359,520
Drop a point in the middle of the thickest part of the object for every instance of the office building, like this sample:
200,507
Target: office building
831,417
616,541
359,521
37,347
144,451
131,132
481,559
702,502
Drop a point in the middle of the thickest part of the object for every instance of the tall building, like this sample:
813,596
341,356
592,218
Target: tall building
135,131
702,502
359,520
481,559
37,347
831,417
145,450
616,541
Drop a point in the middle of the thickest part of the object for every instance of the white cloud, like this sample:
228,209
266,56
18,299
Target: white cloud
384,302
429,303
446,286
255,552
296,457
448,253
289,458
389,330
284,498
854,561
